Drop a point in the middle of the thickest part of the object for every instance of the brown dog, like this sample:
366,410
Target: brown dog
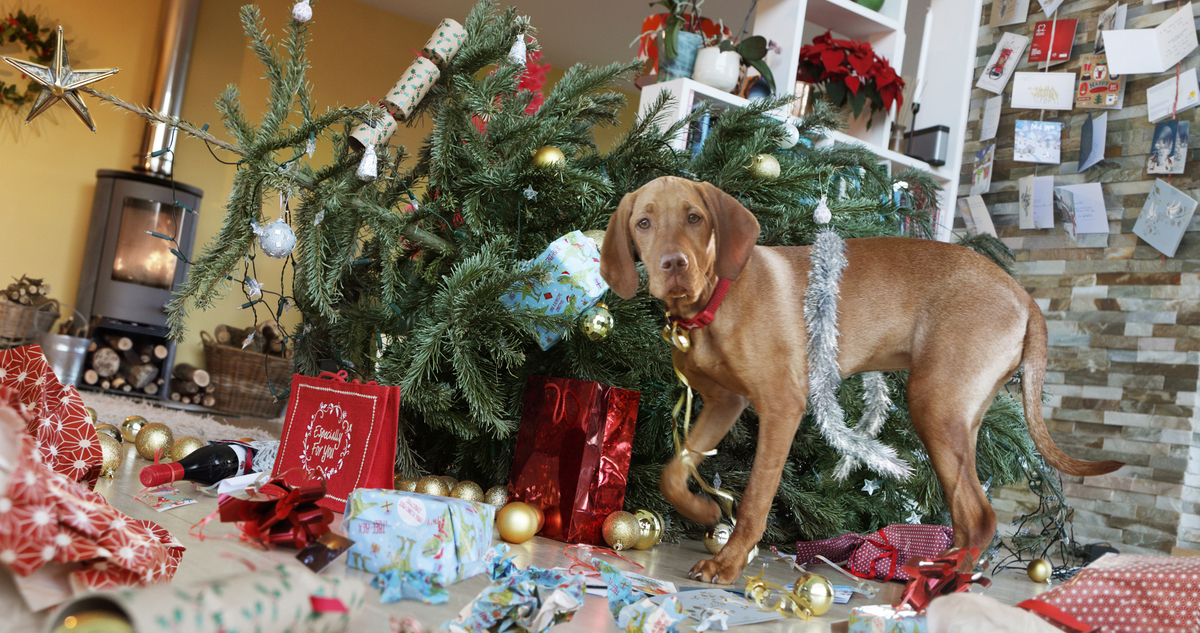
959,323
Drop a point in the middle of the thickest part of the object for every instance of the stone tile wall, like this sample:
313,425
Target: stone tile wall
1124,322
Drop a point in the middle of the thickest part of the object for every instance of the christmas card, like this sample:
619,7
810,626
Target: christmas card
1165,217
1097,87
990,121
1006,12
1112,19
741,611
1082,208
975,214
1052,41
1003,62
1183,91
164,498
1156,50
1043,91
1035,202
981,178
1092,140
1168,152
1038,142
1050,6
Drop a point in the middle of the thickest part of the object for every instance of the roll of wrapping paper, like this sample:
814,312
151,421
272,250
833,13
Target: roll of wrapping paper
272,600
447,38
364,135
414,84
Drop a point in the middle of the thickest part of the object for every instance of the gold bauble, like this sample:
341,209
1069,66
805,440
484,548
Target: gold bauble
93,622
92,414
431,485
517,522
449,481
497,496
541,516
408,484
111,455
111,431
715,538
549,156
621,530
185,446
1039,570
152,438
764,167
596,322
813,593
397,479
467,491
650,524
131,426
597,236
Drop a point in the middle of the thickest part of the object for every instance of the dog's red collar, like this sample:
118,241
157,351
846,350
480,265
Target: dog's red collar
710,310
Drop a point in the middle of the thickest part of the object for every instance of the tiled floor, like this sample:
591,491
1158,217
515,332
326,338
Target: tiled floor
217,557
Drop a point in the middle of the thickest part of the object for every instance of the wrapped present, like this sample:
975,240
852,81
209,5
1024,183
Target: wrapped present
879,556
942,576
572,454
272,600
283,511
55,413
1132,593
572,283
411,532
881,618
47,519
346,431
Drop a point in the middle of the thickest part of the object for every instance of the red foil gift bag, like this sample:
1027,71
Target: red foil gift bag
346,431
572,454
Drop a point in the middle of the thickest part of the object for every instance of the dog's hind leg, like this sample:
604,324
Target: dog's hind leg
721,409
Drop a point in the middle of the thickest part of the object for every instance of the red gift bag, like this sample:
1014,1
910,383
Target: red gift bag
345,430
572,454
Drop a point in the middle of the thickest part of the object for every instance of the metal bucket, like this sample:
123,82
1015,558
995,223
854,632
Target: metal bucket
65,355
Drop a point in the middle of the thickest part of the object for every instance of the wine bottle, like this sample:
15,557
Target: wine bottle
206,465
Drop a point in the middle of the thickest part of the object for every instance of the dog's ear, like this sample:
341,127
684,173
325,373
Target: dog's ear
616,258
736,230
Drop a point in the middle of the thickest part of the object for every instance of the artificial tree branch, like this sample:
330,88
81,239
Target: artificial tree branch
175,122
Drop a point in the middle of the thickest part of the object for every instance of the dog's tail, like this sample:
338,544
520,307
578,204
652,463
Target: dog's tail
1034,363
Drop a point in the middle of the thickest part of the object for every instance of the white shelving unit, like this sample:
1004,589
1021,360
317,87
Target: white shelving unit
948,78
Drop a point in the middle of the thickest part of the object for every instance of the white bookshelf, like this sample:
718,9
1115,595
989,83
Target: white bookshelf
948,78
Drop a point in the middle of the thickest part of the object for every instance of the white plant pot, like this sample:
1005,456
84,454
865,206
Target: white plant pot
717,68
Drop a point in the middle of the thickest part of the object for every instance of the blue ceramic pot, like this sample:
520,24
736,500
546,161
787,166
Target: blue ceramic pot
681,65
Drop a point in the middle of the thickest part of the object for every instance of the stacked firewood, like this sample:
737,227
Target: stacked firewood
118,362
29,292
265,338
190,385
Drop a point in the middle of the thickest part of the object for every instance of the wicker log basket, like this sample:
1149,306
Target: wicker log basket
23,325
241,377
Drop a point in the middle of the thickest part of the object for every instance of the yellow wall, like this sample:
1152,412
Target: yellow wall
47,171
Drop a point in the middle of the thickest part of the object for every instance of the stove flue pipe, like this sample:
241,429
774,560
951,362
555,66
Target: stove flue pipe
178,30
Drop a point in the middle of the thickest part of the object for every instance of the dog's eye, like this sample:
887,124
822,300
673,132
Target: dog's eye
643,223
693,218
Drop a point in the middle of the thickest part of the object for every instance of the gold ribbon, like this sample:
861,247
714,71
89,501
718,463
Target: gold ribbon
791,603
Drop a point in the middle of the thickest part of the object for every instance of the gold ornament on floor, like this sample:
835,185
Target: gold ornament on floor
92,414
408,484
517,522
764,167
812,595
596,322
621,530
549,156
431,485
597,236
1039,570
716,537
155,437
650,525
131,426
60,83
467,491
497,496
184,446
111,431
111,454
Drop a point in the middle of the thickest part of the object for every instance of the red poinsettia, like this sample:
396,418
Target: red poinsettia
849,71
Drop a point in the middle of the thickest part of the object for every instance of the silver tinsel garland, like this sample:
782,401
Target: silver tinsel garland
857,446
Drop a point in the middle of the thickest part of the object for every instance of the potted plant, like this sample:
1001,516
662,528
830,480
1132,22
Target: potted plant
720,65
670,40
849,72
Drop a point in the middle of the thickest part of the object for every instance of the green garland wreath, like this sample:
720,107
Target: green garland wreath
23,29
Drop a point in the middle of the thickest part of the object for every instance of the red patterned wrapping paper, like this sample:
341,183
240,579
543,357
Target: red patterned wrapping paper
572,455
1131,594
57,418
881,555
46,518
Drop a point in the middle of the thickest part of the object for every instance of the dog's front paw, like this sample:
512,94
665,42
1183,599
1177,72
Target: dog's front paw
717,574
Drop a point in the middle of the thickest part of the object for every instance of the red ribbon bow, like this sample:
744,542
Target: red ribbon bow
283,512
944,575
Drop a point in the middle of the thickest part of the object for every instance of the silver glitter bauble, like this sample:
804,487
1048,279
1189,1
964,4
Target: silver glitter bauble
277,239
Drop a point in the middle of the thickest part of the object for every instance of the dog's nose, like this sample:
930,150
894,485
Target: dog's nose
674,262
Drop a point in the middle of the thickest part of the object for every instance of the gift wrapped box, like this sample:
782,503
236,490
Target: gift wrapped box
572,454
1133,593
879,556
408,531
881,618
571,285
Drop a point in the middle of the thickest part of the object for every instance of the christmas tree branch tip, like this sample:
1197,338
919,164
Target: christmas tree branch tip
170,121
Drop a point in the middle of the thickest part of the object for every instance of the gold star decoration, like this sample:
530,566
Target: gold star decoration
60,83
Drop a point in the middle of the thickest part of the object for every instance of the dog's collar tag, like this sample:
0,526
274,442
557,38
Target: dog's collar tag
672,334
676,330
